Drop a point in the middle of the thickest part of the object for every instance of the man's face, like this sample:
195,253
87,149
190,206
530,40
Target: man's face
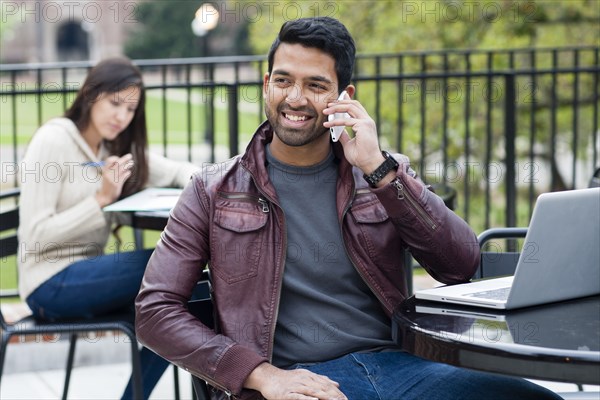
303,80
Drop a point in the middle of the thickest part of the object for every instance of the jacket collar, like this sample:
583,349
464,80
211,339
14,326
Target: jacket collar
254,160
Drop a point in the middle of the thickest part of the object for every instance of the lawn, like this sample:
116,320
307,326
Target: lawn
30,112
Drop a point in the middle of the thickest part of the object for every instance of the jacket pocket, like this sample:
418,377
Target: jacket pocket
368,210
377,233
237,237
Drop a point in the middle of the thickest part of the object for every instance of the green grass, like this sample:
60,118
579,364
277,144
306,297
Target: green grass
177,121
30,113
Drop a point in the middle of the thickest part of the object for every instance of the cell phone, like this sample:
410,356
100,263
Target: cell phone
336,131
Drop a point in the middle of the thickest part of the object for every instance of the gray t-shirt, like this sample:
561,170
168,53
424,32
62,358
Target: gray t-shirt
326,310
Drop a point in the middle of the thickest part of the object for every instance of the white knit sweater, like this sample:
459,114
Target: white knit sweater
60,220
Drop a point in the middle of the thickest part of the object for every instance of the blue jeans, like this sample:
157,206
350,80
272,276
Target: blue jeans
97,286
393,375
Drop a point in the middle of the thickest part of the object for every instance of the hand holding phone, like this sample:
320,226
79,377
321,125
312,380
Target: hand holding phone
336,131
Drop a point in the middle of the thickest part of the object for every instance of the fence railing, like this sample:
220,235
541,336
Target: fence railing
498,126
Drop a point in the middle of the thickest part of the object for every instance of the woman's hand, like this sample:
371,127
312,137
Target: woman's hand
115,172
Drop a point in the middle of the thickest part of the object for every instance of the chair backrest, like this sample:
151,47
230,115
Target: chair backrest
200,306
9,222
446,193
595,179
498,262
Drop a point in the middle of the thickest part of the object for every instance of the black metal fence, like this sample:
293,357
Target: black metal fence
499,127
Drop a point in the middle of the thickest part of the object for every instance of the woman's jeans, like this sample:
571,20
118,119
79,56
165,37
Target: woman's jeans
94,287
394,375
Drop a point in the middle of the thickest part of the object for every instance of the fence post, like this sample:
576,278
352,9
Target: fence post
232,100
510,116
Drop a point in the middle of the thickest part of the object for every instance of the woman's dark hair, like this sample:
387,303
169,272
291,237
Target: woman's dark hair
324,33
111,76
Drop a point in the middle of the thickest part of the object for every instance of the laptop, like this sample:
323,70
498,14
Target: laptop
560,258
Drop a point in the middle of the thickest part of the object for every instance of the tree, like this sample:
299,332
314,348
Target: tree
416,27
7,23
392,26
164,31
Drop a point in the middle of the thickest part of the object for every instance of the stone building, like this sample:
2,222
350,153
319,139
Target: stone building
50,30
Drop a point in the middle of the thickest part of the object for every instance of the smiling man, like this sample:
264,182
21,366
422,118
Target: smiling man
304,240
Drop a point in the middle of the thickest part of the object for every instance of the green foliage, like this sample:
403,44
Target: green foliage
5,21
410,111
387,26
391,26
164,30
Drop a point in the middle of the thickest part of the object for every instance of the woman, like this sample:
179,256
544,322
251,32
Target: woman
73,167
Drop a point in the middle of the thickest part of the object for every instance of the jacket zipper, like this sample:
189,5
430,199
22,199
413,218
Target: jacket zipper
406,195
277,296
280,283
264,204
219,387
366,281
264,201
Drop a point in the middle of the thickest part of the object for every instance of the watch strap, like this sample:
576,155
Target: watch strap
388,165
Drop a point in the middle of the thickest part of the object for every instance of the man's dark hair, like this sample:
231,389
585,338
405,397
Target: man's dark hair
324,33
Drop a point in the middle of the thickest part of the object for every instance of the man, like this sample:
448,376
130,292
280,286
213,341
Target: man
304,240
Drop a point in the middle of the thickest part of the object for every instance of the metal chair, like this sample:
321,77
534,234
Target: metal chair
595,179
200,305
494,262
118,322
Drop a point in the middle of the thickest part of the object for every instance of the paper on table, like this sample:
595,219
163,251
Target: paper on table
151,199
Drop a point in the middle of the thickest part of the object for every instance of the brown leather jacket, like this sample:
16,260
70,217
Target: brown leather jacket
229,218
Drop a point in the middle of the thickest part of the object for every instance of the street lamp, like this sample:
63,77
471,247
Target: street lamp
205,20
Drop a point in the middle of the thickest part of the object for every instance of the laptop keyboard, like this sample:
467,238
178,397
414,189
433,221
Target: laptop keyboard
495,294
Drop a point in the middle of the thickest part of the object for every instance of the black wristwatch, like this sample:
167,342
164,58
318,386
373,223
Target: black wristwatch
388,165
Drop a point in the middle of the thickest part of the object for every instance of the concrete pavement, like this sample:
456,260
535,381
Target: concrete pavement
108,381
35,369
93,382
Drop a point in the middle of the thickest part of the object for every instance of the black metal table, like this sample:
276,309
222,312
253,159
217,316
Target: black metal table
152,220
558,342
